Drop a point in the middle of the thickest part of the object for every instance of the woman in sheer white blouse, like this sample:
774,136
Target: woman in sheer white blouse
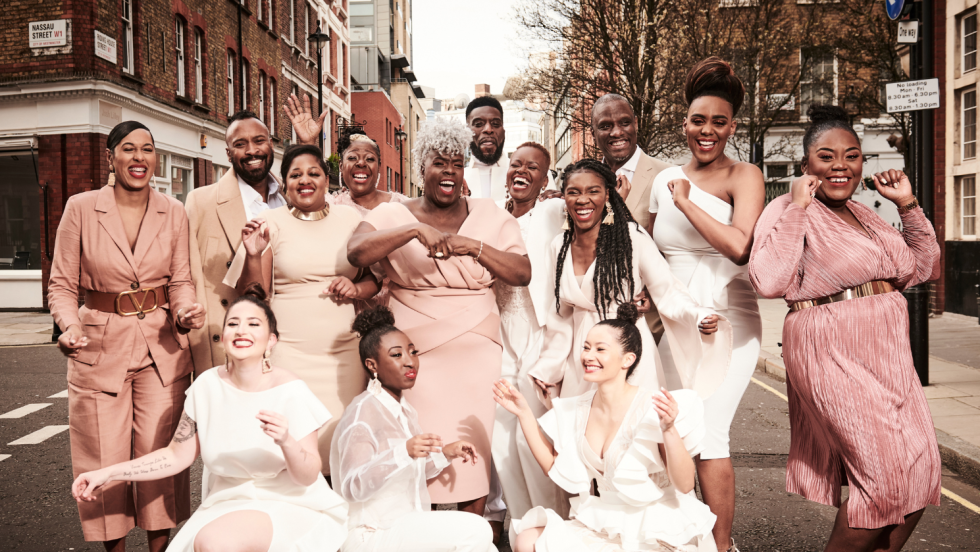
381,460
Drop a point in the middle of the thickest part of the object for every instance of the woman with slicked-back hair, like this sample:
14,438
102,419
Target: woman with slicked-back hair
701,217
858,415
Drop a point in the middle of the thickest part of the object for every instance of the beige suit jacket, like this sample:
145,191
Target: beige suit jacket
216,215
638,202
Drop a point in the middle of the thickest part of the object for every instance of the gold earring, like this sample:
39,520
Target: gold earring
112,179
609,214
266,363
566,225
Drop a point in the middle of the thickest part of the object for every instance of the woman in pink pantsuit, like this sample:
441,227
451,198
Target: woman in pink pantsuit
443,252
858,414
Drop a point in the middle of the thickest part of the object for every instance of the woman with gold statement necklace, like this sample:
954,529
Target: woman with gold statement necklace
298,253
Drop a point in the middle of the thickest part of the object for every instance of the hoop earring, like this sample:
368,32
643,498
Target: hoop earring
266,363
112,178
610,218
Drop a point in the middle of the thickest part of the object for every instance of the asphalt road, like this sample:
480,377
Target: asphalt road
37,512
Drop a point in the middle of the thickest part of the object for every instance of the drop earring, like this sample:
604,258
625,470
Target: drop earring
266,363
567,224
112,178
610,218
509,202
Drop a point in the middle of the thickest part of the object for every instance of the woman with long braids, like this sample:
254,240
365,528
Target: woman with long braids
701,218
380,458
858,415
602,260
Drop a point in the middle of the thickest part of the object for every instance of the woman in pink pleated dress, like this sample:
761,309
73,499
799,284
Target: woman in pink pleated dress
858,414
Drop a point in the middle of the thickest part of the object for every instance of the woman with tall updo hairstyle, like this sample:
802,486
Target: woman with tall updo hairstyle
381,460
254,425
604,259
298,253
633,442
858,415
701,218
123,250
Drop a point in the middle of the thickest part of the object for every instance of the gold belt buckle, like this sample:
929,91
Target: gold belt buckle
141,310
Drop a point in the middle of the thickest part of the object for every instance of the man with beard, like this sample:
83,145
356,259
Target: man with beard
487,174
217,214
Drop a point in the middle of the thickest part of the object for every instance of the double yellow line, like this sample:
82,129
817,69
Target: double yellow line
946,492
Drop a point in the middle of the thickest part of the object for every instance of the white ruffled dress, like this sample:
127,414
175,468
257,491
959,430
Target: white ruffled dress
638,508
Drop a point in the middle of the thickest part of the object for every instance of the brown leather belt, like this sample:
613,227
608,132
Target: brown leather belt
142,301
864,290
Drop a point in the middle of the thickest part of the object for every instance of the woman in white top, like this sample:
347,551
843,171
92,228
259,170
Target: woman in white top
255,427
602,260
637,450
702,218
380,459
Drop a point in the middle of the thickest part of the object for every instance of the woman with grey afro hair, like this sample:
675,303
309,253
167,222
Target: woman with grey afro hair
443,252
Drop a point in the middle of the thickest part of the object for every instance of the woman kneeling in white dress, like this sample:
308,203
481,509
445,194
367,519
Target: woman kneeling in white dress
380,459
637,450
255,426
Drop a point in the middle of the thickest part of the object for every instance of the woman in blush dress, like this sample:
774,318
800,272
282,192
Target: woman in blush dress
381,459
701,218
443,252
858,414
255,427
636,451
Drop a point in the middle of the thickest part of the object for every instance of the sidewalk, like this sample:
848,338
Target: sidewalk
954,380
25,328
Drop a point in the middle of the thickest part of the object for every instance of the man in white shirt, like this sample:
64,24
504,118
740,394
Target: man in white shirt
486,176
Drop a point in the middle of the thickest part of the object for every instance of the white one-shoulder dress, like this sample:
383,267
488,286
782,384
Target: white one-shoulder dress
247,470
637,507
716,283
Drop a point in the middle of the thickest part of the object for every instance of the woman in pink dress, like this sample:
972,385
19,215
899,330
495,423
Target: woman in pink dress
858,414
443,253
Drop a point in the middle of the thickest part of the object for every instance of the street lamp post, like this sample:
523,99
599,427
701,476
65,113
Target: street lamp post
401,135
318,39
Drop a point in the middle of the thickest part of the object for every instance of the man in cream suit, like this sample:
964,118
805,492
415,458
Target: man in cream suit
487,174
217,214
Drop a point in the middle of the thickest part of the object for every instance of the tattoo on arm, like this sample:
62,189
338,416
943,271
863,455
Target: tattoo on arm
186,429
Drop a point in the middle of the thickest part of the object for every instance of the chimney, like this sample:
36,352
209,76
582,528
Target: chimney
482,90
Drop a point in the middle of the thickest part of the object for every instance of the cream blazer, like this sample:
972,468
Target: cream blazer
638,202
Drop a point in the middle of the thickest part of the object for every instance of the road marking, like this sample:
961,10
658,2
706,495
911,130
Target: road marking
60,395
4,457
949,494
39,435
25,410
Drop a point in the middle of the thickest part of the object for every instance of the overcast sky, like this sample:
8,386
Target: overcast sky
461,43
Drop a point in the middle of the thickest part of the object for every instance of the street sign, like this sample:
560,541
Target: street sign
105,47
894,8
908,32
912,95
48,34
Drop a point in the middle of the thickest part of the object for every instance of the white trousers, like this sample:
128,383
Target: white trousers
440,531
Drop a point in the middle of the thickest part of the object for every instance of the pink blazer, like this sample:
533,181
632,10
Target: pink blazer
92,252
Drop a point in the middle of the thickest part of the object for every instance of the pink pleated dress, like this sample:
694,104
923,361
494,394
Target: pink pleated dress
858,414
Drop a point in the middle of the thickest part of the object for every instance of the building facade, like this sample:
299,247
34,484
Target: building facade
382,123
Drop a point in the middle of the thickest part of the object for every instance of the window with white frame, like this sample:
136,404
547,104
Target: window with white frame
244,84
818,78
268,7
292,21
969,42
293,133
968,206
262,96
258,11
272,107
306,30
968,122
231,82
341,54
127,36
181,84
198,66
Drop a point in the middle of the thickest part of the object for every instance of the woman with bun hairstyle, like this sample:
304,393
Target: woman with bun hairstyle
255,426
298,252
858,415
604,259
635,444
123,250
381,460
701,218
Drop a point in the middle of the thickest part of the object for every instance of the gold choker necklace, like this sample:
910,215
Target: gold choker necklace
314,215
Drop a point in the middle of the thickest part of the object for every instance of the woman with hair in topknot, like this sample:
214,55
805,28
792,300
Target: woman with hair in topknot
381,459
634,443
701,218
858,415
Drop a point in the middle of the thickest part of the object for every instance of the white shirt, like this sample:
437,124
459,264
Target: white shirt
485,187
254,206
629,169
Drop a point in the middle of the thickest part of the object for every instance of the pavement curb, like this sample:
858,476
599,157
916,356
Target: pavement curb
771,364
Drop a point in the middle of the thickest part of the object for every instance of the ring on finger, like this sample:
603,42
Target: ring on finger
439,254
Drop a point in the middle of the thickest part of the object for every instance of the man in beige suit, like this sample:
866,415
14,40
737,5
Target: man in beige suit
217,214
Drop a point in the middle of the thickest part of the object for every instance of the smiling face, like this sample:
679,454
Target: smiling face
397,362
835,158
306,184
250,150
487,124
442,178
614,130
708,125
246,334
359,168
527,174
602,355
134,160
585,197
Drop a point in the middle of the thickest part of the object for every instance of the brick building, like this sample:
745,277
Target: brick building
382,124
179,66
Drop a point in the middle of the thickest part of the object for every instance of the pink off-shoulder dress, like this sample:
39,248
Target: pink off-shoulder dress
858,414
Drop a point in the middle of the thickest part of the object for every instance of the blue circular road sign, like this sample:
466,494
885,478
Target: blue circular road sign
894,8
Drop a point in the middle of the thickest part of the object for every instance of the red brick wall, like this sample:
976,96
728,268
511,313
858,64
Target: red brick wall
378,111
938,288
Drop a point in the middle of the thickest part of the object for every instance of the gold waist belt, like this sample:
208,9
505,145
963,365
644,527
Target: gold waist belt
864,290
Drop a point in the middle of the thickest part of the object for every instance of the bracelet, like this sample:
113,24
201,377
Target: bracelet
909,206
477,258
177,318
